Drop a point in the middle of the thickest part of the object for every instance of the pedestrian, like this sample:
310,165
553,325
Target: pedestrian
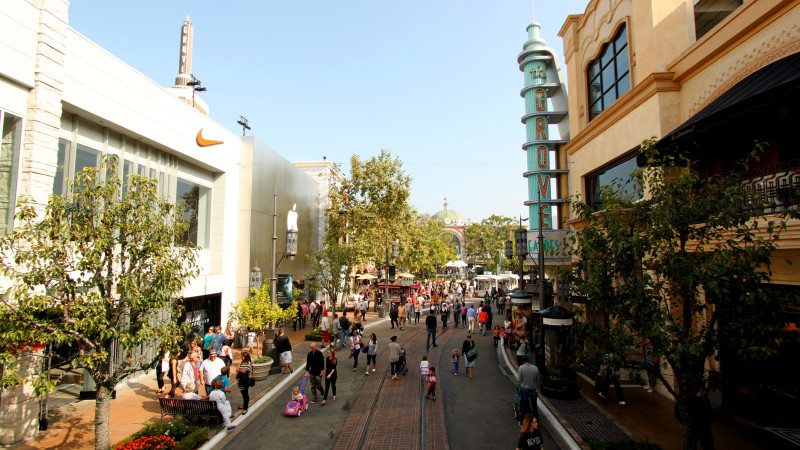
530,438
355,348
394,357
208,342
470,356
372,352
174,362
463,315
454,359
190,374
445,315
337,332
330,376
162,367
522,349
393,315
326,332
226,381
424,367
528,383
431,384
210,369
410,309
284,348
315,370
217,396
227,353
219,340
488,310
401,314
497,333
303,314
298,318
417,311
344,327
364,306
472,316
652,365
312,312
456,314
430,323
609,374
243,380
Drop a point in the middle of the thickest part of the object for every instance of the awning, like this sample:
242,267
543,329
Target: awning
760,91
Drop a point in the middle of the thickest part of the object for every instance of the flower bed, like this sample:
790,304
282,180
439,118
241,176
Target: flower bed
178,434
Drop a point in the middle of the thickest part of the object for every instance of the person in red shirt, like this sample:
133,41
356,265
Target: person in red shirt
431,383
483,319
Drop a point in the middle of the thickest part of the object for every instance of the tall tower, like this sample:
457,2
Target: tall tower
546,166
185,61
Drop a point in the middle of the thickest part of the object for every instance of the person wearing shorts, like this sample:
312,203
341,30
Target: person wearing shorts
284,348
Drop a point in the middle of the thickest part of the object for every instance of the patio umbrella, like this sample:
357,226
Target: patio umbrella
457,263
366,276
405,275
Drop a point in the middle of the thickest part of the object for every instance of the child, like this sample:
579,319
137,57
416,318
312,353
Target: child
506,335
454,360
223,406
423,367
431,384
496,335
296,395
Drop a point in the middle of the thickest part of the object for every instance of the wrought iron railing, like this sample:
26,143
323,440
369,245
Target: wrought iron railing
771,189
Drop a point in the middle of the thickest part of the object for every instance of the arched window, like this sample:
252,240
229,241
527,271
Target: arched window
608,76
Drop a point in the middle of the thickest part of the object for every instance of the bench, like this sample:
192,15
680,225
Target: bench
196,408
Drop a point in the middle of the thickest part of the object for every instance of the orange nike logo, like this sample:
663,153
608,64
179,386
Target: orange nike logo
203,142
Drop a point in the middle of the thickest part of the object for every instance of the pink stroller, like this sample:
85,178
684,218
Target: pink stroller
297,407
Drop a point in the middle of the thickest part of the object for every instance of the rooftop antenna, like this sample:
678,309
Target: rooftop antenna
243,122
533,17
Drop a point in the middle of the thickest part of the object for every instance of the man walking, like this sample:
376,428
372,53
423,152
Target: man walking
472,316
528,382
315,370
337,332
344,326
284,349
430,323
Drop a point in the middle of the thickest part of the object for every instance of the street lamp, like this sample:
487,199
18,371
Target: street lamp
197,86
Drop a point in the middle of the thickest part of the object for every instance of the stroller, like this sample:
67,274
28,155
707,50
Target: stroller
402,363
297,407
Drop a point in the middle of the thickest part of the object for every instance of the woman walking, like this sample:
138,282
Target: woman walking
372,352
530,438
243,377
467,347
394,357
208,341
330,375
355,348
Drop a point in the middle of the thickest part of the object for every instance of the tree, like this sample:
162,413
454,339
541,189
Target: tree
257,312
486,241
424,245
330,270
685,268
101,271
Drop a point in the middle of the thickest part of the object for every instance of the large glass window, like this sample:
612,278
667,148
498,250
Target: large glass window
196,201
608,77
9,161
618,175
61,165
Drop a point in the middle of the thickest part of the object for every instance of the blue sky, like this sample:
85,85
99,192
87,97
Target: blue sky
434,81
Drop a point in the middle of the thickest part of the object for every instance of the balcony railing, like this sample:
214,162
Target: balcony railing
771,189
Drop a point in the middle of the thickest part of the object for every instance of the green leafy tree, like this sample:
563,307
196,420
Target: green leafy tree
423,245
257,312
685,268
330,270
486,241
100,271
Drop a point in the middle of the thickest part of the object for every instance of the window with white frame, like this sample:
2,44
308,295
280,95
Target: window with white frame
9,163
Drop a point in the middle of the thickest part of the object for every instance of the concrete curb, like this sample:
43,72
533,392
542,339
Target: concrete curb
546,417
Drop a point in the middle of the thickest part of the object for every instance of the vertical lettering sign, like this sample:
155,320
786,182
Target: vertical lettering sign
184,46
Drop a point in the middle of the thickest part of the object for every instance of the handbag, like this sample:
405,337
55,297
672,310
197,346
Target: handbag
471,355
251,382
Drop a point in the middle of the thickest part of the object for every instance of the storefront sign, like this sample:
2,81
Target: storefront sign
555,245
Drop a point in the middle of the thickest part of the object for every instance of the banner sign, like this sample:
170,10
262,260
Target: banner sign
556,245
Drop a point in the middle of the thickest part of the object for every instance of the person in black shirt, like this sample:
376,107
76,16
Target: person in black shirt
315,369
530,438
430,323
284,349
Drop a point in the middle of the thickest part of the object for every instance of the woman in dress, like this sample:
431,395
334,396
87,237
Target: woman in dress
208,341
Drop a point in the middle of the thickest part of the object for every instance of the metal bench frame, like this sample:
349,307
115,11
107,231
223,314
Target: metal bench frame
197,408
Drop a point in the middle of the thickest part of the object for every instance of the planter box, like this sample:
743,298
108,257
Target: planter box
260,371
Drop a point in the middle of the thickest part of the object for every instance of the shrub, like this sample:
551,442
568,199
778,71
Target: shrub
315,335
150,442
262,359
194,440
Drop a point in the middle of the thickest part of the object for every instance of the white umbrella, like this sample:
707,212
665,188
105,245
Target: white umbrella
367,276
459,263
405,275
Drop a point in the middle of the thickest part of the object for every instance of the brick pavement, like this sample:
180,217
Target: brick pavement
387,413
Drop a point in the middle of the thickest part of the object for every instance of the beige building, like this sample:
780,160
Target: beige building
707,77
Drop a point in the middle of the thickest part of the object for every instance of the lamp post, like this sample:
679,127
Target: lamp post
382,312
196,87
521,247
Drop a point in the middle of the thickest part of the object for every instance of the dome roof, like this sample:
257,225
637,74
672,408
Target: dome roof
448,215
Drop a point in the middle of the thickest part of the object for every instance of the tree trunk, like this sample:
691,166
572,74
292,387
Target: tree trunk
694,415
102,415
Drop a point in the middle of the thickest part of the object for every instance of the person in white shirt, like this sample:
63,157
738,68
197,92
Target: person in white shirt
190,375
223,406
210,369
189,392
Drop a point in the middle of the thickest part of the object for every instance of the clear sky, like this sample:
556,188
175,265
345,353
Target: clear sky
434,81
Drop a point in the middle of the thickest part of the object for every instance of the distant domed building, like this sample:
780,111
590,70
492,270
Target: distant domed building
454,223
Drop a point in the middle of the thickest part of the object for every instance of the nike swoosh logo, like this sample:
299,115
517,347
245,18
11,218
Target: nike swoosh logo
203,142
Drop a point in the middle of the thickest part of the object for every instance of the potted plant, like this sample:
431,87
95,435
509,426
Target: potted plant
261,366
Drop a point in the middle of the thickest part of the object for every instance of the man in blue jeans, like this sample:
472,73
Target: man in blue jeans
528,383
430,323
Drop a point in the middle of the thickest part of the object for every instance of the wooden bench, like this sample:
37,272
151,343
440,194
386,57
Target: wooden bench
196,408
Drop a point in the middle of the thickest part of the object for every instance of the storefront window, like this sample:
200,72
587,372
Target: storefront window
608,77
619,174
196,201
9,160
